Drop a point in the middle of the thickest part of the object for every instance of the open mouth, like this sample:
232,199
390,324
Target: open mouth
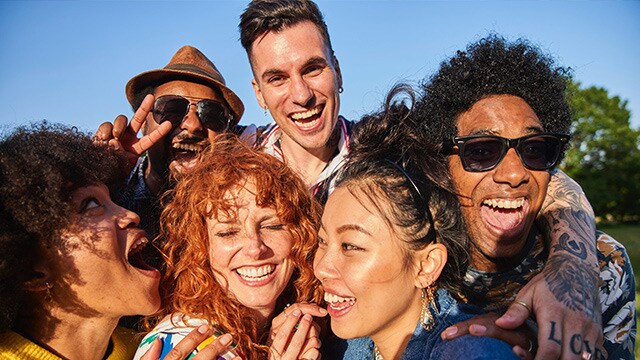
255,273
307,119
338,303
504,214
135,255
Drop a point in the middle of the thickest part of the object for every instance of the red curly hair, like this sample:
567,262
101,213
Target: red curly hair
189,286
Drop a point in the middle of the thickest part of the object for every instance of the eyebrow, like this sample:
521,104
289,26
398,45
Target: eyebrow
316,60
352,227
528,130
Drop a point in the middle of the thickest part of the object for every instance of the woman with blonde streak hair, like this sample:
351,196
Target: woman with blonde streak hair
239,237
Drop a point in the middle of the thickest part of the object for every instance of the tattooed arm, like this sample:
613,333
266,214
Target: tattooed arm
564,295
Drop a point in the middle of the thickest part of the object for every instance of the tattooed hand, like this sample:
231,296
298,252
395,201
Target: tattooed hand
564,296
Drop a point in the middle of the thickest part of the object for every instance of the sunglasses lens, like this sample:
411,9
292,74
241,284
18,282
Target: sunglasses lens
213,115
170,108
540,152
481,154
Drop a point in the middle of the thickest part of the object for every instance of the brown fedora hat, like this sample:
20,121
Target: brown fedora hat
188,63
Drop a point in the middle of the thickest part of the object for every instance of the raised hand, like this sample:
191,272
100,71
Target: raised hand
123,136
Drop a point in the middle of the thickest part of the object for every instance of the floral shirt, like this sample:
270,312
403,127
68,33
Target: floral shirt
496,291
172,330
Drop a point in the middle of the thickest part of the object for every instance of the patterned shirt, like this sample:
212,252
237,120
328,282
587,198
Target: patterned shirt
268,140
496,291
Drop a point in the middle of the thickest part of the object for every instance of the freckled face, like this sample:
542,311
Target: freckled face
360,264
501,204
97,263
251,252
297,78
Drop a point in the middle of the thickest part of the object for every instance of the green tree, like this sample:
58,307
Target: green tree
604,157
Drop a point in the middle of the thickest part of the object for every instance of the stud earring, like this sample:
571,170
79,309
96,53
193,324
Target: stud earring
340,90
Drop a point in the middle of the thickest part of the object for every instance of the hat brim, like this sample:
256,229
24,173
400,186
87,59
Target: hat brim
157,77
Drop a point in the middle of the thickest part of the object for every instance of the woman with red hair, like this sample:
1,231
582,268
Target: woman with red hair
239,237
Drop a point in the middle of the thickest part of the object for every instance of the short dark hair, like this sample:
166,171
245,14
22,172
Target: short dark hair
385,161
40,167
263,16
493,66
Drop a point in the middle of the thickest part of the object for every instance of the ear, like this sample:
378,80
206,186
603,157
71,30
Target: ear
258,92
429,264
38,281
336,65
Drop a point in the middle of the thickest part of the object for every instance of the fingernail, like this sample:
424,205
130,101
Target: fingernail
203,329
307,317
296,312
451,331
507,317
323,311
476,329
225,339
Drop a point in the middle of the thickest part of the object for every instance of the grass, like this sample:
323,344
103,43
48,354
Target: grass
629,236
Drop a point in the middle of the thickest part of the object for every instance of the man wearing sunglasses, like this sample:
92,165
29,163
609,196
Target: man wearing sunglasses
180,108
500,112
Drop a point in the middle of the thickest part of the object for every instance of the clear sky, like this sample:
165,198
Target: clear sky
68,61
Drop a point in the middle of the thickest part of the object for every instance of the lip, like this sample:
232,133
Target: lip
151,271
494,227
344,309
318,118
263,281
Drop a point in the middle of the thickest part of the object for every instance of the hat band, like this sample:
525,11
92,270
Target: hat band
195,69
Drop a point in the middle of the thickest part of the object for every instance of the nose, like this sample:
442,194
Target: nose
323,265
127,218
511,170
254,246
300,91
191,121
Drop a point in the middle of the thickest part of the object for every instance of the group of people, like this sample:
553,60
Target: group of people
436,227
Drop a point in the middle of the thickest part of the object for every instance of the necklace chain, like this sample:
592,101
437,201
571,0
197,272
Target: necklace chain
376,353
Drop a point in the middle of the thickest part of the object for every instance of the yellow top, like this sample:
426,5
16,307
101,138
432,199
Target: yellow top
15,347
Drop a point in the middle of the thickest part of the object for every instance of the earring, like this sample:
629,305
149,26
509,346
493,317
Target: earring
428,298
340,90
48,298
265,110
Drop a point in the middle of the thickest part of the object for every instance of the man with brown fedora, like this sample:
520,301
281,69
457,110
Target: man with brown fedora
179,107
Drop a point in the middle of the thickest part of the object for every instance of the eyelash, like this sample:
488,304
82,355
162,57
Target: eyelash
350,247
84,207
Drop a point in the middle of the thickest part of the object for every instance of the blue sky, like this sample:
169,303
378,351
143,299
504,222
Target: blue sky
68,61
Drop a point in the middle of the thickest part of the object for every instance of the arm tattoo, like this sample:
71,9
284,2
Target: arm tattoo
571,272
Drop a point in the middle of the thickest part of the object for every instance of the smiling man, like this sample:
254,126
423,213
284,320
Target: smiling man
499,110
296,76
180,108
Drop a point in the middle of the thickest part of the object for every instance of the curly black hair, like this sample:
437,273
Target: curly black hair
493,66
388,163
40,167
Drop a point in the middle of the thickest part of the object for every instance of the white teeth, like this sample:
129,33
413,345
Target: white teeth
139,244
504,203
188,147
255,273
306,114
333,298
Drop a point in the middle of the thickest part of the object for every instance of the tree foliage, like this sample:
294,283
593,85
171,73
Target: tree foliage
604,157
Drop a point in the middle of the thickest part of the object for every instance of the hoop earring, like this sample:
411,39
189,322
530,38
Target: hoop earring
340,90
426,318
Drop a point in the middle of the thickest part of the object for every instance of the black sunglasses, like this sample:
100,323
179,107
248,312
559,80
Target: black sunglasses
212,114
484,152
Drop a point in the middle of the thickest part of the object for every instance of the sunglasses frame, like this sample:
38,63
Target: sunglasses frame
460,143
195,102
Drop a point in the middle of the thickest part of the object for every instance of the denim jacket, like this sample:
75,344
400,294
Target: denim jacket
428,344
